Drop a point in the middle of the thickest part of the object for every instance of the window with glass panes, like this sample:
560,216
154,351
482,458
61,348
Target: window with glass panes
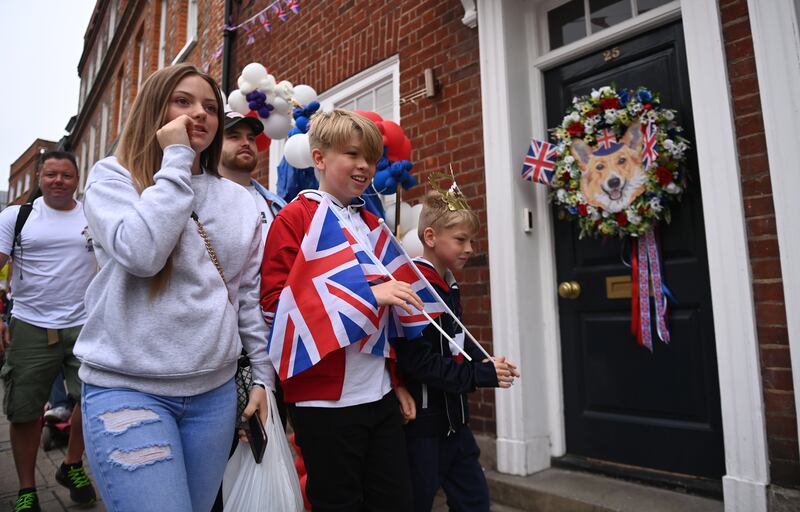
576,19
378,98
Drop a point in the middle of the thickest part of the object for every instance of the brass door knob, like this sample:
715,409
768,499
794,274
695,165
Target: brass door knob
569,290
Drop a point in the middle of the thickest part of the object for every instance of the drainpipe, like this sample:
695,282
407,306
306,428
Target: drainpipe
227,40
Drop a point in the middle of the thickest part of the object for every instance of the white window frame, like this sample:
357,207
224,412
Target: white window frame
91,77
112,21
82,94
140,65
350,88
27,182
90,162
191,32
162,35
103,129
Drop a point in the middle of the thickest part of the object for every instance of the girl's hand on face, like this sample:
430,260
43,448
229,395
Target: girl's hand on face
177,131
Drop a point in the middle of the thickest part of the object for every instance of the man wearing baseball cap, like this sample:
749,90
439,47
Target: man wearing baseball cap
239,159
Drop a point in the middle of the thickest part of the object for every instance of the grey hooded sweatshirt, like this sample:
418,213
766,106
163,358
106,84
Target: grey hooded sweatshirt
185,340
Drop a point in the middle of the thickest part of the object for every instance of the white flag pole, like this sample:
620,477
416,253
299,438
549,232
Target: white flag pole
436,295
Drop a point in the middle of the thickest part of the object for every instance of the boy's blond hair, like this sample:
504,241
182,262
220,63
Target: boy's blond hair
437,214
335,130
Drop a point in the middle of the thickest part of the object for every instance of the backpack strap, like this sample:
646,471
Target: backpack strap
22,218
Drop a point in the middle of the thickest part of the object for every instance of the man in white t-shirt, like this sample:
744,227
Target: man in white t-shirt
238,160
53,263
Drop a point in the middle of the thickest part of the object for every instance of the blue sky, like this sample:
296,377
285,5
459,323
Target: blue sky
40,44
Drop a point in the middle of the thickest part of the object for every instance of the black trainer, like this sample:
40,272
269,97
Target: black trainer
74,478
27,501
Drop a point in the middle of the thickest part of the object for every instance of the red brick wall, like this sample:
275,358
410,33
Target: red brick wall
779,400
328,42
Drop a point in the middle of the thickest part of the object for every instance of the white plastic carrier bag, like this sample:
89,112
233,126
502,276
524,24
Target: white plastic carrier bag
271,486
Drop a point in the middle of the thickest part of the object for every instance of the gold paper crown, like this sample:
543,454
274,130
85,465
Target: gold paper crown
453,196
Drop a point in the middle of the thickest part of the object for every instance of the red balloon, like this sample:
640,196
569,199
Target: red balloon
300,466
306,503
372,116
397,142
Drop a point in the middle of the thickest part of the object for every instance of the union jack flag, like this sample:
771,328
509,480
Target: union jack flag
326,303
293,6
263,18
384,256
540,162
649,153
280,12
606,138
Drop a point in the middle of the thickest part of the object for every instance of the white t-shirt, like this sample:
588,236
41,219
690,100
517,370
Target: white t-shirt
366,378
54,266
266,214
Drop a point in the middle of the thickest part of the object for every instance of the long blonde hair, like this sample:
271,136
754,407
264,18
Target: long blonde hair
139,151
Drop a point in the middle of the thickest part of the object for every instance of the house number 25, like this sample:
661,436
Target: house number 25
611,54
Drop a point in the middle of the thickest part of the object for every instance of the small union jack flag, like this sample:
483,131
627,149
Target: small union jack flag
263,18
606,138
326,303
649,153
293,5
280,12
540,162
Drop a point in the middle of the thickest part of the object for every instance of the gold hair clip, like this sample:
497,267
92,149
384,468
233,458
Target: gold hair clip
453,196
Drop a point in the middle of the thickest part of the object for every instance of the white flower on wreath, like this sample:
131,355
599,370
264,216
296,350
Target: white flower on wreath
593,213
673,188
575,100
652,116
606,91
635,107
633,217
569,160
579,197
575,117
588,128
605,214
596,119
561,195
655,205
574,172
669,115
611,115
595,94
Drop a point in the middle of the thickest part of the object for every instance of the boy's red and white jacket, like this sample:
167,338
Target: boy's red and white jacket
324,380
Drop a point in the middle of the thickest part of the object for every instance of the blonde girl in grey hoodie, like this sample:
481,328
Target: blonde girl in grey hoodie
170,309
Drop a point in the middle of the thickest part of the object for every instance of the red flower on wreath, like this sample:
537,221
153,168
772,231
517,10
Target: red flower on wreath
575,129
663,175
622,219
583,211
608,103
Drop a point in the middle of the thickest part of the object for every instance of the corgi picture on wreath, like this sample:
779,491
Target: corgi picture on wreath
612,176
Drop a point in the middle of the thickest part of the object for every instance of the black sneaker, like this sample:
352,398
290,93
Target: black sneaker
74,478
27,501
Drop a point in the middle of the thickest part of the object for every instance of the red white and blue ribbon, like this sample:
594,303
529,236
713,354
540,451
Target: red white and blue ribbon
646,267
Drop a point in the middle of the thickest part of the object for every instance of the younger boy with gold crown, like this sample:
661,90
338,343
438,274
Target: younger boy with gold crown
441,448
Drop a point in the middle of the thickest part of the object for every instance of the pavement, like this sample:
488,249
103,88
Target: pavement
52,496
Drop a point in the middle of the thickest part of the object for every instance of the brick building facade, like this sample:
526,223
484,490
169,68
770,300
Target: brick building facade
22,176
489,59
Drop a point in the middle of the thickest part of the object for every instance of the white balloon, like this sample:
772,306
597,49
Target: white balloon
254,73
267,85
281,106
238,102
277,126
412,244
388,215
298,151
304,94
416,210
284,90
245,86
407,220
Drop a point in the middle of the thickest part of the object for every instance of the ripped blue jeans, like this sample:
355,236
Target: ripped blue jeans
150,452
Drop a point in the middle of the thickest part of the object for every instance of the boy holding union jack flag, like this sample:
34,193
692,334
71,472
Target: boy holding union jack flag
341,402
441,448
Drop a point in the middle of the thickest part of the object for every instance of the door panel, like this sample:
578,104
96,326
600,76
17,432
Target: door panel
622,403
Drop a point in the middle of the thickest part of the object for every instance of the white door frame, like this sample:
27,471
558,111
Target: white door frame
530,426
776,43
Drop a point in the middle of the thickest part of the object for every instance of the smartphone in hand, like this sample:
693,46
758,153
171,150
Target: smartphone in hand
256,436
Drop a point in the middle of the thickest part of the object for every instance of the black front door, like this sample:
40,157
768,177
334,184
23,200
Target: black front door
622,403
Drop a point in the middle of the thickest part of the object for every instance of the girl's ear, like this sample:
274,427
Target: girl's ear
429,237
